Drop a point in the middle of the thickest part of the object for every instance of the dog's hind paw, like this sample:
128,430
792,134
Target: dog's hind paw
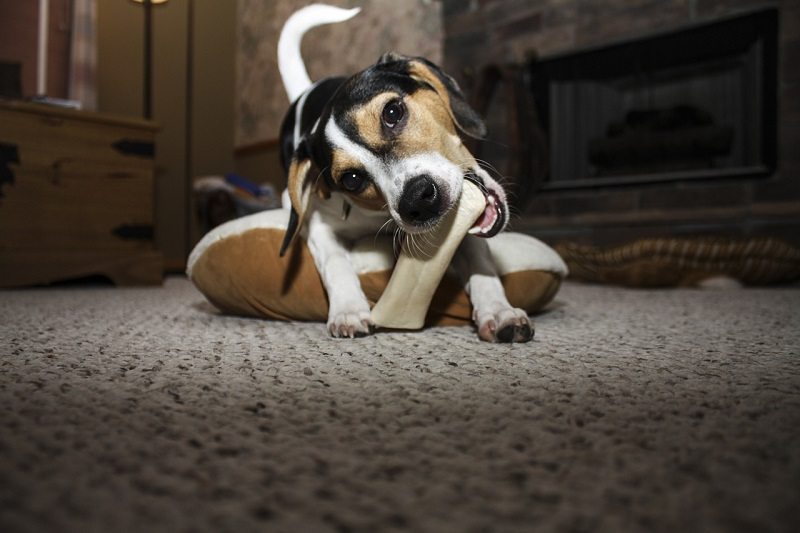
508,325
350,325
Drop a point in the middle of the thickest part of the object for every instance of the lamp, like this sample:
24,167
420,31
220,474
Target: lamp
147,90
41,53
188,100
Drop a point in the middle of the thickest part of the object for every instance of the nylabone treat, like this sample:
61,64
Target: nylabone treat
419,268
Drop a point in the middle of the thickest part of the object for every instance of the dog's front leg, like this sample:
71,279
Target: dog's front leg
496,319
348,308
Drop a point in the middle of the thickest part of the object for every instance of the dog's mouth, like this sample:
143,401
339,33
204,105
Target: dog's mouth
493,219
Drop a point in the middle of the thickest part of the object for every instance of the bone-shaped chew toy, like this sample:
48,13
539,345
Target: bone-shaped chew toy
417,273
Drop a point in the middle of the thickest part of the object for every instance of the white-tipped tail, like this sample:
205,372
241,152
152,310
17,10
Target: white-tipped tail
290,61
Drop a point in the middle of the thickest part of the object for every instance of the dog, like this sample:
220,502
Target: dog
381,150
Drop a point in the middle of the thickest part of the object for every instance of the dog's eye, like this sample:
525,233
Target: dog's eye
393,113
353,180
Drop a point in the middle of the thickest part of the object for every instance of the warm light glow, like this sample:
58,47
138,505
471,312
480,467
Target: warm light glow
151,1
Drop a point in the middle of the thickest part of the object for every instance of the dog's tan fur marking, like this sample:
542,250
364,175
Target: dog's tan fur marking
341,160
367,119
300,187
429,128
370,198
421,72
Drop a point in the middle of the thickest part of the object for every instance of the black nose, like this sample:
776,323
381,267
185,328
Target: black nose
420,201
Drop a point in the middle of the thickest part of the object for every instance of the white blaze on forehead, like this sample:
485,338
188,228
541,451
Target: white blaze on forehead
339,139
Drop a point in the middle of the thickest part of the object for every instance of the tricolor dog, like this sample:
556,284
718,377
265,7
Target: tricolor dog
380,151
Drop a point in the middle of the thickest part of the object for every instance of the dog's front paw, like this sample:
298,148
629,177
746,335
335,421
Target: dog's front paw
351,324
504,325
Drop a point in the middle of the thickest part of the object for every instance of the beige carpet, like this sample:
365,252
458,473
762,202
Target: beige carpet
142,410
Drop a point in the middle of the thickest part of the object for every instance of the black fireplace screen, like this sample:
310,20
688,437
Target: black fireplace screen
698,103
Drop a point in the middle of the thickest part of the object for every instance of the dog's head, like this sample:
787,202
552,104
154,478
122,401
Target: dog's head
389,140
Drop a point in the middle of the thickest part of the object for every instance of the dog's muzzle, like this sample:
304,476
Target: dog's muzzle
422,205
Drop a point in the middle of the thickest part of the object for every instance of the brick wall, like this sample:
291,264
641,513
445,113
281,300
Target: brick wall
478,32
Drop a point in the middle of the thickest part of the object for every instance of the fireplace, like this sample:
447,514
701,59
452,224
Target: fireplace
615,121
699,103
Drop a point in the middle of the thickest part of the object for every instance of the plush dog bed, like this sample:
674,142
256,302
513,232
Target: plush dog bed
238,268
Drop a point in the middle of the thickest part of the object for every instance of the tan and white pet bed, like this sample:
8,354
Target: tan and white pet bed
238,268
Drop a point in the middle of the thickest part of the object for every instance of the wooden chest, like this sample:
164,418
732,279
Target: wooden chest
76,197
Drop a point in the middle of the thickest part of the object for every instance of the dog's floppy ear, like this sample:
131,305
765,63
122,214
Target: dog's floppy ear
300,185
448,90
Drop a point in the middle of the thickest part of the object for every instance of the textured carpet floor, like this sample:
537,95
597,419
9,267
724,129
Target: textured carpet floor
142,410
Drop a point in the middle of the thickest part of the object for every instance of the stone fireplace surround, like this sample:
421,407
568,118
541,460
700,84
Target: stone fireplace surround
483,32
